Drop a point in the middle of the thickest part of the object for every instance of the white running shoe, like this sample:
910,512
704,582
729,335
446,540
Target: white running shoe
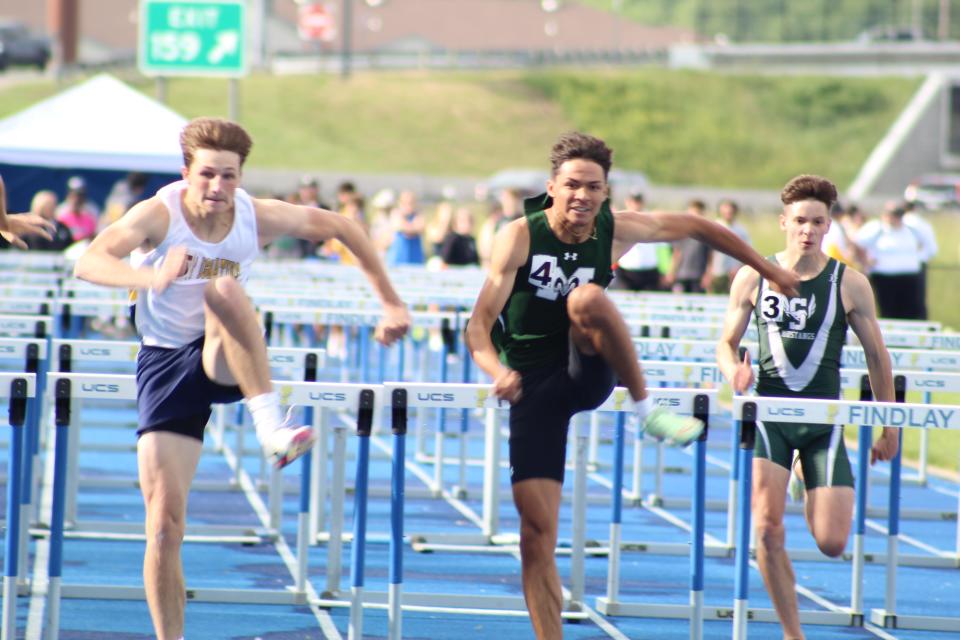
289,441
677,430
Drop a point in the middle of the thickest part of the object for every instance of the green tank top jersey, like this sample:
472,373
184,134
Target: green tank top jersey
801,338
533,328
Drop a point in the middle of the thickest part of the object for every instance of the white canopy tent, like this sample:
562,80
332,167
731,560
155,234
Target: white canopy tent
99,124
100,129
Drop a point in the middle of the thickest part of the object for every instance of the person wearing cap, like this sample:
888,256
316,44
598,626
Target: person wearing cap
79,214
14,229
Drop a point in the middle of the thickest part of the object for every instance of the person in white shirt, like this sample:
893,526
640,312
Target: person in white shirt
638,269
928,251
724,266
894,256
192,246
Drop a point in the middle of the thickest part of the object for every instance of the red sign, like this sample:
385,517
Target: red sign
314,22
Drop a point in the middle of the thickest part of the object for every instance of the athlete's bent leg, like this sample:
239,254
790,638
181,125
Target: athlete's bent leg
234,351
167,463
829,511
596,326
538,503
768,499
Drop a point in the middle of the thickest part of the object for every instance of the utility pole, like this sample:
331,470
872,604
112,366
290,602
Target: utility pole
943,20
63,17
347,41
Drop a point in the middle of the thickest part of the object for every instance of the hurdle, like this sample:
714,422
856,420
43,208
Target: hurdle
67,387
17,388
869,414
69,353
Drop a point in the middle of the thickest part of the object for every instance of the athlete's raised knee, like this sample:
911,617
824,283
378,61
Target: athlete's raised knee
586,302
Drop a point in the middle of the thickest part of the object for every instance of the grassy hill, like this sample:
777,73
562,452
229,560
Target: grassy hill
679,128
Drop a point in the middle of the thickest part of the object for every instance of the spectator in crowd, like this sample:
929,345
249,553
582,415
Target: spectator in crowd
894,254
459,246
408,225
79,214
691,268
637,269
488,231
44,204
125,193
381,231
351,207
928,251
836,243
438,227
308,195
725,267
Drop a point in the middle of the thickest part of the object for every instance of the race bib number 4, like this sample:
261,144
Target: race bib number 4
551,281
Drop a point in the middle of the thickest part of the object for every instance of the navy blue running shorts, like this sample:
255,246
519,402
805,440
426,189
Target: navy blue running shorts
174,393
540,419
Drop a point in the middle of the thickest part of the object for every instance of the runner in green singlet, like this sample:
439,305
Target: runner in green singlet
800,342
559,344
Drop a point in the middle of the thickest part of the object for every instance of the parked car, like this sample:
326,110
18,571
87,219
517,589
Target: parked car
935,191
20,47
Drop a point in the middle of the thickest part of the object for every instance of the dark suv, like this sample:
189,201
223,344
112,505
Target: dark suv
19,47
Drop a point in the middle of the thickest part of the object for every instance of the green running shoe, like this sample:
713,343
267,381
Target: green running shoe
679,430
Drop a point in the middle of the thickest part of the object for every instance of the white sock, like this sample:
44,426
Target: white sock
265,409
643,408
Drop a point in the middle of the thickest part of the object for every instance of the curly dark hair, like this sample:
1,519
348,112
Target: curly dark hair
809,187
575,145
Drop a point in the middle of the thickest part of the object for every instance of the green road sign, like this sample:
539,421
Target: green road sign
198,38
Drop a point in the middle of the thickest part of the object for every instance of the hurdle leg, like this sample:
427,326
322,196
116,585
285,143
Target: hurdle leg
733,490
8,625
637,491
616,516
394,595
438,437
63,412
864,441
594,443
318,475
73,465
365,420
579,512
491,474
698,520
742,558
335,543
656,498
303,521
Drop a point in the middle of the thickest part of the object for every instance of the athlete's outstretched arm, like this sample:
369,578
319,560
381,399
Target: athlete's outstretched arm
862,315
145,225
510,250
276,218
737,371
631,227
23,224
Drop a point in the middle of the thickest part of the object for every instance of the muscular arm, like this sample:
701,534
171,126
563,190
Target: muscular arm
103,262
277,218
631,227
858,301
509,253
742,294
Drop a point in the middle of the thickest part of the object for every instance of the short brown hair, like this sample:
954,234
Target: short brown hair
809,187
214,133
574,145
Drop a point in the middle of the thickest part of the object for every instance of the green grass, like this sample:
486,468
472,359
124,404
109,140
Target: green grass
678,127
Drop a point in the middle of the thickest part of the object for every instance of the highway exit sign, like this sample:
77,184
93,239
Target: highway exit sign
192,38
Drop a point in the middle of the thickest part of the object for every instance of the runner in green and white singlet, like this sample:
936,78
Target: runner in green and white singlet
560,341
801,337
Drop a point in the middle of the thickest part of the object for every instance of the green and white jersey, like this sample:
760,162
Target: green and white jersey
801,338
533,329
